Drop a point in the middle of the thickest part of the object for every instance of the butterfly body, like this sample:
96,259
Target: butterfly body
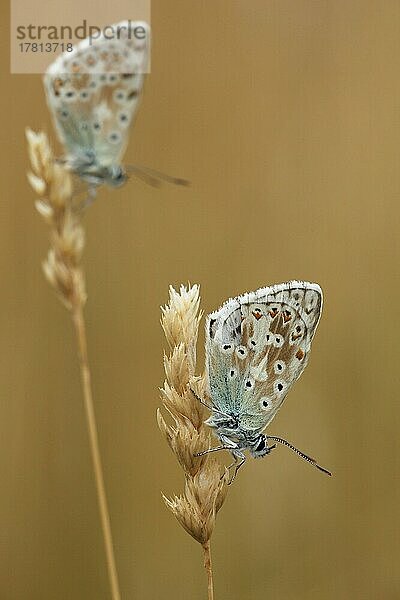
257,346
86,166
93,93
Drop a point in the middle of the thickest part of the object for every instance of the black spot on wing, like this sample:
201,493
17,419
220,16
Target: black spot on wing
211,328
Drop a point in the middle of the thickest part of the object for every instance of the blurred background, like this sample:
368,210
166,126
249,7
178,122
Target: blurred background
285,117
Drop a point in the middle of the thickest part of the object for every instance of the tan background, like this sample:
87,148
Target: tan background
285,117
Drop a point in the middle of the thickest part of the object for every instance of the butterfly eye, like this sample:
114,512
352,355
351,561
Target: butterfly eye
241,352
261,444
119,175
279,366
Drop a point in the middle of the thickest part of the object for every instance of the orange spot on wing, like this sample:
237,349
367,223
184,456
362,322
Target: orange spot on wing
286,316
57,85
273,312
299,354
257,314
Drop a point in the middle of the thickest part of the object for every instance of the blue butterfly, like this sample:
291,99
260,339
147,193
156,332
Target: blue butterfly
93,93
257,346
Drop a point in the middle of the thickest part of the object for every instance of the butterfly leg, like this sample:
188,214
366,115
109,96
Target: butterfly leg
90,198
213,450
240,458
201,400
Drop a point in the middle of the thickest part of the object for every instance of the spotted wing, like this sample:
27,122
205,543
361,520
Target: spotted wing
257,346
93,93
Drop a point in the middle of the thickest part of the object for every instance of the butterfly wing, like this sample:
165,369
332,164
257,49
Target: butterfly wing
257,346
93,93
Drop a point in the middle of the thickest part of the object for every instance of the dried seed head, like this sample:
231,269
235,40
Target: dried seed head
189,516
180,320
53,184
205,488
186,442
37,183
183,404
177,369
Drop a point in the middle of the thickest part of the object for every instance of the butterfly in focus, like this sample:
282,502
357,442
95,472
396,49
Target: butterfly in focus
257,346
93,93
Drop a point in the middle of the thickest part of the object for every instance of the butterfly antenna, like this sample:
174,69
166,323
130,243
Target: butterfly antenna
156,176
152,181
309,459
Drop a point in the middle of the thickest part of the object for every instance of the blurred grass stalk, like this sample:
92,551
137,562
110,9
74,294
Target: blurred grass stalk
205,489
62,268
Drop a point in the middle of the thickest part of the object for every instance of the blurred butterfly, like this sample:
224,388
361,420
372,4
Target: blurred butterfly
93,93
257,345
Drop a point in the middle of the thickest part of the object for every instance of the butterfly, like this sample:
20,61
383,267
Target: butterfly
257,346
93,93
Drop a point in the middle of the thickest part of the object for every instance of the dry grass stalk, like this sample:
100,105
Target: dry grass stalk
205,490
62,268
